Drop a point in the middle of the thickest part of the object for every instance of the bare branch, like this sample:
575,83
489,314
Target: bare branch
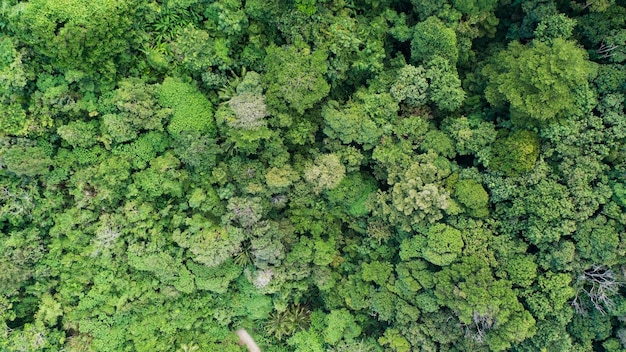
599,284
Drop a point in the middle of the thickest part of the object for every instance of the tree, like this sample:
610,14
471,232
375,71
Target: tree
27,160
473,196
249,111
138,103
295,76
288,322
196,150
162,177
416,194
432,38
216,279
165,267
395,341
378,272
445,86
437,141
325,173
471,135
281,178
192,110
597,241
362,121
443,244
199,52
487,307
474,6
555,26
340,324
328,175
410,86
130,109
78,133
14,121
13,77
540,80
73,34
246,212
210,244
515,154
549,303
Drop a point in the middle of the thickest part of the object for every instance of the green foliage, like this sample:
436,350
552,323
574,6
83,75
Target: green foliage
539,80
410,86
340,324
418,195
487,306
325,173
208,243
295,77
328,175
432,38
445,86
394,340
307,7
474,6
597,240
281,178
473,196
14,77
517,153
521,270
399,29
197,51
286,323
377,272
129,110
14,121
192,111
471,135
27,160
165,268
307,341
438,142
196,150
73,34
362,122
553,296
443,244
556,26
78,133
353,194
438,83
144,149
162,177
215,279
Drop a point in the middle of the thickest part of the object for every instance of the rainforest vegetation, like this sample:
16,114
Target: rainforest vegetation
329,175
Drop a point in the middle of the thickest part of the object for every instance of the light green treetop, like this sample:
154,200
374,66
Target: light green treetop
538,80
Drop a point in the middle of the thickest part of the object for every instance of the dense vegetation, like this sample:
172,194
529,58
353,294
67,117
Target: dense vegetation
330,175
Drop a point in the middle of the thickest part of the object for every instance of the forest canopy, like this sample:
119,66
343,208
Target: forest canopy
329,175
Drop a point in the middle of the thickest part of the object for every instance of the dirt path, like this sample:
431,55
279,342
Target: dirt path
246,339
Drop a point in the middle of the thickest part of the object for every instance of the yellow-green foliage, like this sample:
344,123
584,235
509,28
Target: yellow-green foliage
473,196
516,153
539,80
192,110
